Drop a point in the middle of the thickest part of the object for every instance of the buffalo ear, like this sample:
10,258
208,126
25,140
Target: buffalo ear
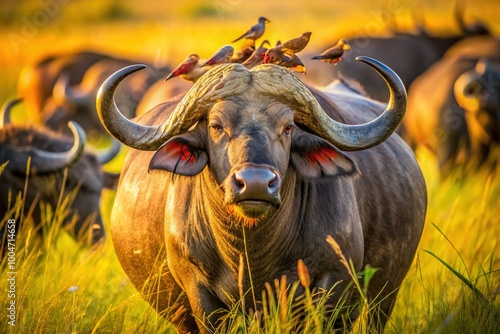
180,156
314,157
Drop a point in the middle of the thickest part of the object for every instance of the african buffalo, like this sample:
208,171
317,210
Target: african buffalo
249,163
47,182
36,81
454,107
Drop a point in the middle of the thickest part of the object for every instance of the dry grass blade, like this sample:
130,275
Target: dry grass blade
303,273
241,277
343,260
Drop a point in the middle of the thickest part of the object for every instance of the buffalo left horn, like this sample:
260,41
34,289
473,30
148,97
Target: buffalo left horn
223,81
44,161
5,111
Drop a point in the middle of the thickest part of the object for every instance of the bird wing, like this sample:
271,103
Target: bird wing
334,52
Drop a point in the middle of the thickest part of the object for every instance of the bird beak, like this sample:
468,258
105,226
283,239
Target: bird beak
170,76
347,47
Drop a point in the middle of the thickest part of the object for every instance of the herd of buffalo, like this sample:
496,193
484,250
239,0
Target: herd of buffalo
246,158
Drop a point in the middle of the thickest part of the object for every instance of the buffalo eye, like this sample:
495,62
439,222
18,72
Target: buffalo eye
216,128
287,130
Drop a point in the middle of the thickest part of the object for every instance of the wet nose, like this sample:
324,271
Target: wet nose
256,183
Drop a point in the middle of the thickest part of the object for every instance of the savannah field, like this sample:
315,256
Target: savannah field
453,285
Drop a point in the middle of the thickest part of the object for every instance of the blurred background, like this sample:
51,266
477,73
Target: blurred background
167,31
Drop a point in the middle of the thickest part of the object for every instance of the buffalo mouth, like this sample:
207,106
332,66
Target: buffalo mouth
252,190
253,208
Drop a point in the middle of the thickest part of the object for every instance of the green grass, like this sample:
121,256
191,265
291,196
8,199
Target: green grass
453,286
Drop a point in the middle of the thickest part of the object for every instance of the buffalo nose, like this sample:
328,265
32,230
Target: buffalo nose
254,183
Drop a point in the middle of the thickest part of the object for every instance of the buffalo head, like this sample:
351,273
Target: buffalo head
250,127
57,165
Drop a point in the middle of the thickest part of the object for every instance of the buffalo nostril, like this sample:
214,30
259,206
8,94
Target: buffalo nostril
273,183
238,182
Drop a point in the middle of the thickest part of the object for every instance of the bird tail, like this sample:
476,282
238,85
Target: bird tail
317,57
237,39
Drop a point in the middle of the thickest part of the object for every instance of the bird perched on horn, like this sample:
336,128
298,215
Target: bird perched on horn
298,44
189,69
285,58
257,56
256,31
244,52
283,54
334,54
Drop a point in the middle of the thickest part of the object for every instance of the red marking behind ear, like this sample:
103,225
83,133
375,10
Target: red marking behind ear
178,157
183,151
178,149
322,155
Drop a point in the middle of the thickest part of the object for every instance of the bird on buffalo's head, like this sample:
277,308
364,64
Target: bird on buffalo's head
297,44
188,65
221,56
256,31
244,52
334,54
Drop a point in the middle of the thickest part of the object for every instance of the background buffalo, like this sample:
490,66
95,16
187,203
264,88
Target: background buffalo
454,107
59,174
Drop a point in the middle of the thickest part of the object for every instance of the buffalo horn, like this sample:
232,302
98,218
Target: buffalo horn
47,162
223,81
465,87
233,79
282,84
63,92
5,111
110,153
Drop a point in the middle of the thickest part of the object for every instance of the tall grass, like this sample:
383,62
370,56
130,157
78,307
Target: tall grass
453,286
64,287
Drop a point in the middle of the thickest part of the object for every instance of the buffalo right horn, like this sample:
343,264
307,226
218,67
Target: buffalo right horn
5,111
280,83
44,161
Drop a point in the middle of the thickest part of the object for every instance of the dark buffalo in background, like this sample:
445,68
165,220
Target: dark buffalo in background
408,54
247,163
36,81
454,107
63,87
51,155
